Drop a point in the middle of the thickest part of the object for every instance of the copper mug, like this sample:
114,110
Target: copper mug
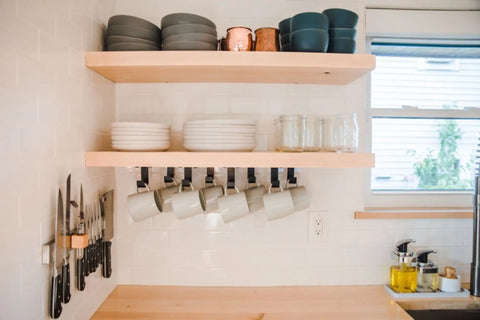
267,39
239,39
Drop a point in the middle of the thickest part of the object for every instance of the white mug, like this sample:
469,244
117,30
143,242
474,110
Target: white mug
186,203
278,204
209,197
255,197
165,194
144,205
299,197
233,206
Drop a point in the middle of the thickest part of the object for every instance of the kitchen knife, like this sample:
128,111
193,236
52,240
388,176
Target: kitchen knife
86,266
66,252
107,213
57,259
81,252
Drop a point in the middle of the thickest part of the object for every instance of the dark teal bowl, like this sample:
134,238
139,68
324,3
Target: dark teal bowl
341,18
309,40
342,33
309,20
285,38
341,45
284,26
285,47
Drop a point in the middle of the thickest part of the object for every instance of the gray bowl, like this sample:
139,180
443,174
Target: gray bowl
205,37
284,26
185,18
189,45
122,39
131,47
309,40
341,18
134,31
342,32
341,45
309,20
122,19
188,28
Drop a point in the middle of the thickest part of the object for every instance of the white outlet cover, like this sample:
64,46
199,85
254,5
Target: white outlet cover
317,226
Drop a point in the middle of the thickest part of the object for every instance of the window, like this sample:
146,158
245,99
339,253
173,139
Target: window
425,108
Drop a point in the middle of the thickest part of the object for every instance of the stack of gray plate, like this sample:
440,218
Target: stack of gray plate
186,31
128,33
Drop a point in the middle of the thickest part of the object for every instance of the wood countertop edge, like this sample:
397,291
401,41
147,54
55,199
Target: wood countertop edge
248,303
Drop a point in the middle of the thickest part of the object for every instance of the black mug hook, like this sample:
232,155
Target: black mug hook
170,177
231,178
187,177
144,178
274,178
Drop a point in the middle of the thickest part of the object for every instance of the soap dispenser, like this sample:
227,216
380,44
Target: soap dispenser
427,272
403,276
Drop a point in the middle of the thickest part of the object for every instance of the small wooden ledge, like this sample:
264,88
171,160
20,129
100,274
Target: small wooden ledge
415,213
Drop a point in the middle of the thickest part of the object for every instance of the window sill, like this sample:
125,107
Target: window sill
415,213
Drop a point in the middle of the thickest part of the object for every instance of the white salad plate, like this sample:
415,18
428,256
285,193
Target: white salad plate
226,122
154,125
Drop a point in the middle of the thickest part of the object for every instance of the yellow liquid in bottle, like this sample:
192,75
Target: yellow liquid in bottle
403,278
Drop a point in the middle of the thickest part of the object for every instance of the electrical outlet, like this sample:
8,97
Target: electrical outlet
317,226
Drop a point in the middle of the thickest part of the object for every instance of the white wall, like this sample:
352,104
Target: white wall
252,251
52,109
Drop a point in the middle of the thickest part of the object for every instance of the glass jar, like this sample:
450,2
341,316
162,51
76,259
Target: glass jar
311,136
289,131
341,133
350,138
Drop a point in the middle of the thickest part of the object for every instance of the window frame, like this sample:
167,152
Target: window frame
414,198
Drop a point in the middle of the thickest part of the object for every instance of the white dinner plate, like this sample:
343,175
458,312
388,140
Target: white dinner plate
154,125
220,130
246,122
136,144
141,138
219,146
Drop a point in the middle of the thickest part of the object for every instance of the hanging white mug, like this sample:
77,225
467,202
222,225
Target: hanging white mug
144,205
233,206
186,203
278,204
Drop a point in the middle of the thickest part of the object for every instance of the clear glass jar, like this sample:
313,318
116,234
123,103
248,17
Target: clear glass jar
289,131
311,136
341,133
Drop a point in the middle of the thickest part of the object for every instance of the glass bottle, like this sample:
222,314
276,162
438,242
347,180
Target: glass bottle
403,276
427,273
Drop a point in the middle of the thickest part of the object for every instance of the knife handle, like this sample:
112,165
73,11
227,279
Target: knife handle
80,274
66,282
56,297
99,252
107,259
92,258
86,257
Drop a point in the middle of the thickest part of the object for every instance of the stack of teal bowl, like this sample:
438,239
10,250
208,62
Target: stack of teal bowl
284,31
341,30
129,33
309,32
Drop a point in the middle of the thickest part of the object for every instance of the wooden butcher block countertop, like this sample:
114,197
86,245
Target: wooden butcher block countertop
250,303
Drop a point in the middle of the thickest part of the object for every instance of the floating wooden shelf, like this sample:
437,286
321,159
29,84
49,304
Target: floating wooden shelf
227,66
415,213
229,159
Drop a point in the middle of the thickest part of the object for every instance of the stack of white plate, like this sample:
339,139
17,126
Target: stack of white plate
220,135
140,136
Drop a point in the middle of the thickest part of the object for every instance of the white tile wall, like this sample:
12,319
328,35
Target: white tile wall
252,251
52,109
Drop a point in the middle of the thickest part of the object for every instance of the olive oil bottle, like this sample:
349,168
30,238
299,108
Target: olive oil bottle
403,276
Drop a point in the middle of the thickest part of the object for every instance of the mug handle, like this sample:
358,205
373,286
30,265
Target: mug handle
225,190
146,186
180,188
270,188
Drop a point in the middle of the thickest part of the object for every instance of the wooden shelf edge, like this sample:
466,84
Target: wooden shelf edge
229,159
226,66
416,213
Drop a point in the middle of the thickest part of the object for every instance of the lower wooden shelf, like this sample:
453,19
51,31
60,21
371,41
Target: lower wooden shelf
229,159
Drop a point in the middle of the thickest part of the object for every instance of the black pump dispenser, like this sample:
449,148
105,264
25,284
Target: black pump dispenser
422,256
402,246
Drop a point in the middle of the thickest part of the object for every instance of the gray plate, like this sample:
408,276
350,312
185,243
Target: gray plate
205,37
121,39
133,31
131,47
122,19
185,18
189,45
188,28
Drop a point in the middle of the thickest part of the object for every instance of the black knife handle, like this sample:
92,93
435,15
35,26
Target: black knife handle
107,259
66,283
80,274
86,257
56,297
92,258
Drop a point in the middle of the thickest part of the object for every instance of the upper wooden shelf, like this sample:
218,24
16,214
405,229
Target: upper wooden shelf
227,66
229,159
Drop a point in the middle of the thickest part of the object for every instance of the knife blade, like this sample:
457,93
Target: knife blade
107,213
57,259
80,263
66,254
